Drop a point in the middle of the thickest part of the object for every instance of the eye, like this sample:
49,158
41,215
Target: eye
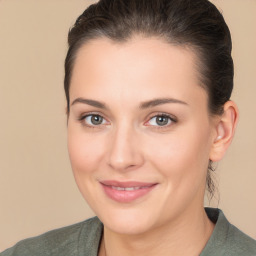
161,120
93,120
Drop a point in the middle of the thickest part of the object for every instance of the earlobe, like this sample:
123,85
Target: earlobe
225,129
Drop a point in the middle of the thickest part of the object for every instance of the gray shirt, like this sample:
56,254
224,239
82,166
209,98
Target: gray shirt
83,239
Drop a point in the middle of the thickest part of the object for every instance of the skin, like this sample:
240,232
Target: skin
130,145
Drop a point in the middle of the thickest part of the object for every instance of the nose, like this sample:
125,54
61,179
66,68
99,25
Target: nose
125,153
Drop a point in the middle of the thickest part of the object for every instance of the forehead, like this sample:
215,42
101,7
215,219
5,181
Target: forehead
104,68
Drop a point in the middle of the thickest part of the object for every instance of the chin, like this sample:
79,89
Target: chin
127,222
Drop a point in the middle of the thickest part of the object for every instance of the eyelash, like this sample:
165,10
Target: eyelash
170,117
82,120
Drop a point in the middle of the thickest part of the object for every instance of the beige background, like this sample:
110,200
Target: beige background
37,190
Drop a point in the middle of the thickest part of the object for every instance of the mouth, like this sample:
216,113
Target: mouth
125,192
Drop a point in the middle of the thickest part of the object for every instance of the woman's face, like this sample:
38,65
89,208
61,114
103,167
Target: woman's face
139,132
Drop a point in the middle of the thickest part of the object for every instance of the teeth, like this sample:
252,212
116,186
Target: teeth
132,188
126,189
117,188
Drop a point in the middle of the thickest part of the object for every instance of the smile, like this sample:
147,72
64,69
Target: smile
127,189
125,192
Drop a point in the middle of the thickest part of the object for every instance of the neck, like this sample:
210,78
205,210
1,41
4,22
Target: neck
186,236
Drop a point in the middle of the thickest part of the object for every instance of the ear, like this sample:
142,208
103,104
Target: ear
224,131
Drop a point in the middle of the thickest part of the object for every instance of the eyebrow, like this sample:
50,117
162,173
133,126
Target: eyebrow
143,105
90,102
156,102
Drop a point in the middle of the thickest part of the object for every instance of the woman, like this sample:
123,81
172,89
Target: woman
148,87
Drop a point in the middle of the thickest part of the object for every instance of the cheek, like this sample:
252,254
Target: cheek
182,156
84,152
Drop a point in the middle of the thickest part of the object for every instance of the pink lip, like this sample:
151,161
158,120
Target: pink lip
112,190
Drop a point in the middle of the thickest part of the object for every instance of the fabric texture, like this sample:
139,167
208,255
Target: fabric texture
83,239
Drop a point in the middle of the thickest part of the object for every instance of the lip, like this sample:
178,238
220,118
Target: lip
125,192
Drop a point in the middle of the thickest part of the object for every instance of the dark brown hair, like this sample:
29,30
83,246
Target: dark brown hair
196,24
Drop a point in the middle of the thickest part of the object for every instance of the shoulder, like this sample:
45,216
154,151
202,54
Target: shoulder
240,243
70,240
227,239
